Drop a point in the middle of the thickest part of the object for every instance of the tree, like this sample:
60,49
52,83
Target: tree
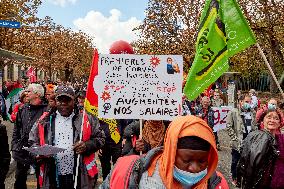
23,11
267,21
60,48
53,46
170,27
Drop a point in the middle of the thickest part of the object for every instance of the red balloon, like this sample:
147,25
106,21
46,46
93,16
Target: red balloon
121,47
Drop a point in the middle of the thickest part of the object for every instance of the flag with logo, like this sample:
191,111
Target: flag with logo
91,101
223,32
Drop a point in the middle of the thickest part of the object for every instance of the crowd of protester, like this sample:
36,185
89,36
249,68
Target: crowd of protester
178,154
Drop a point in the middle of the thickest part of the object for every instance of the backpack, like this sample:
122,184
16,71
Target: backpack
123,169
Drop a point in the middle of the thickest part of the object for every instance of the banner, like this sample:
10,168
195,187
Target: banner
31,74
223,32
220,117
140,86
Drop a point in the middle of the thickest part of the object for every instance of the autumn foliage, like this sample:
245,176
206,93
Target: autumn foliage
54,47
170,27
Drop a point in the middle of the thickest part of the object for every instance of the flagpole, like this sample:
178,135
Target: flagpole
270,69
79,155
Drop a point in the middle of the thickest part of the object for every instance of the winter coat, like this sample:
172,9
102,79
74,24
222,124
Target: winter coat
26,118
97,140
235,127
5,156
258,155
131,134
121,124
210,115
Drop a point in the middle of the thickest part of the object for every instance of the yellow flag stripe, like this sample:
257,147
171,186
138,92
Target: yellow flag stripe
213,66
212,15
112,123
220,32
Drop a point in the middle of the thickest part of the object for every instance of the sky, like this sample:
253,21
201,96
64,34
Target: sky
105,20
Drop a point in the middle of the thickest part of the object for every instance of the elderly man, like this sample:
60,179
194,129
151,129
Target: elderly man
62,129
26,117
205,112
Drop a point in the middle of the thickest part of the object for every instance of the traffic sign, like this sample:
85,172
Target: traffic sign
9,24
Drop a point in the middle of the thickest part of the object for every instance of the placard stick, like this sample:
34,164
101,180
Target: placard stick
79,155
270,70
141,129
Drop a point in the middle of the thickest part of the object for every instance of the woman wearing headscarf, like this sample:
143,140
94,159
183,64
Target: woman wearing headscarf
261,164
188,160
152,136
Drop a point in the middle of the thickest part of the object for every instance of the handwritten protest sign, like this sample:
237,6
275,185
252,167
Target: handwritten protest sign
139,86
220,117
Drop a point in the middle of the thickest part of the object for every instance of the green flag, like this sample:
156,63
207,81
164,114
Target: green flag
12,99
223,32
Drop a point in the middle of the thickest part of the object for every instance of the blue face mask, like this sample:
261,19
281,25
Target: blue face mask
188,179
271,106
246,106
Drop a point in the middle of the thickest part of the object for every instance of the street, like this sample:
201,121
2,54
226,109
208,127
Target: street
223,165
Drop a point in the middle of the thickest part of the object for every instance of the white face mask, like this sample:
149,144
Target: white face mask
188,179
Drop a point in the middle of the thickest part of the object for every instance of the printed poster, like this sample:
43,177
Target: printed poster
139,86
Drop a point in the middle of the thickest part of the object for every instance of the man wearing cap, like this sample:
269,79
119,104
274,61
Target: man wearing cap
62,129
26,117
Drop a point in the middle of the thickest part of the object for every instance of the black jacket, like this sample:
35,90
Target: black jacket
5,156
96,141
121,124
26,118
132,130
258,154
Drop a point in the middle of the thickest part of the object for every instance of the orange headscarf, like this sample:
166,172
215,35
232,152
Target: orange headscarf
181,127
50,88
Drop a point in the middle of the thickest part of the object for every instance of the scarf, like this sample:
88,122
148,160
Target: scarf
180,127
153,133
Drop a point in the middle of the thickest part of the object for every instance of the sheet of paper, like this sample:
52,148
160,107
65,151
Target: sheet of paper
46,150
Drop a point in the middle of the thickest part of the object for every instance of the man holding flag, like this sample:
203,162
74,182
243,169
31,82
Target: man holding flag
81,136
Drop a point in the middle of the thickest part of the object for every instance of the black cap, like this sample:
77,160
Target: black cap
65,91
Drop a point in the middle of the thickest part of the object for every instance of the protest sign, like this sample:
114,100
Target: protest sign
139,86
220,117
